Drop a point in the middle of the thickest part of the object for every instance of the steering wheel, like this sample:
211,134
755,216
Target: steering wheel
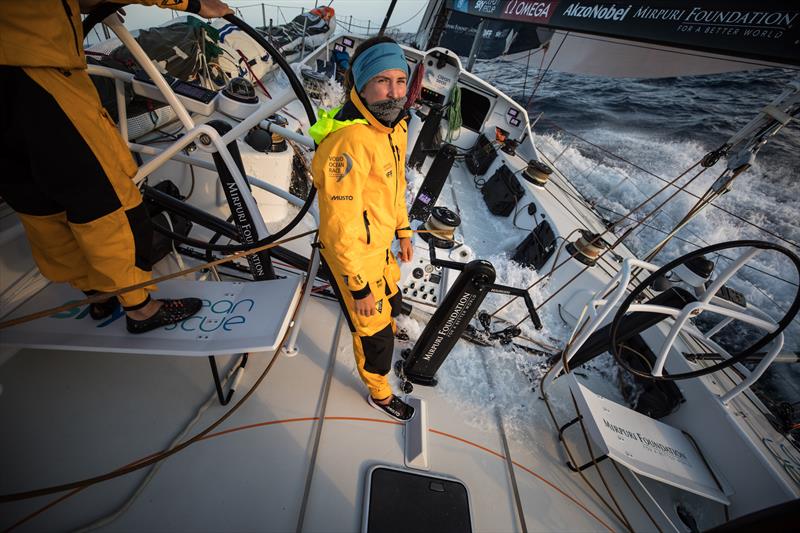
102,11
708,301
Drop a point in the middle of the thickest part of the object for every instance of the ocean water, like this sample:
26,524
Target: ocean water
664,126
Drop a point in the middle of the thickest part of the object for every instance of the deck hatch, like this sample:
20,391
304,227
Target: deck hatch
404,501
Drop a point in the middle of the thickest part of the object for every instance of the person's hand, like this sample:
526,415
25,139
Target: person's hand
406,250
210,9
86,7
366,306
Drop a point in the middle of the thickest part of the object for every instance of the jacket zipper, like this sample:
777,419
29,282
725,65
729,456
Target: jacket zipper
71,25
396,157
366,225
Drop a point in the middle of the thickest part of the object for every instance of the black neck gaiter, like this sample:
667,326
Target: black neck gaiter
387,111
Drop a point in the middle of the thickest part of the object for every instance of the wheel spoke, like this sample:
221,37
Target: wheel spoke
710,301
767,325
728,273
680,320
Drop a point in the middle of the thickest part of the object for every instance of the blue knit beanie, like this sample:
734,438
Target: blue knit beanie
376,59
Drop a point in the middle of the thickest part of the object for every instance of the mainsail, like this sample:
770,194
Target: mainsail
751,33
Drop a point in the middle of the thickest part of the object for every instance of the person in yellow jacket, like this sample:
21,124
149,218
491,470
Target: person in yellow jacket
359,169
66,170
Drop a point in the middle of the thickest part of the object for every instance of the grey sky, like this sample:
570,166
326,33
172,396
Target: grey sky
362,12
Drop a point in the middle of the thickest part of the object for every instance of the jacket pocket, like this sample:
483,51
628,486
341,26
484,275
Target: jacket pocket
366,226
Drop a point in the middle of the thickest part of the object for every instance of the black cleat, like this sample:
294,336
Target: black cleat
170,312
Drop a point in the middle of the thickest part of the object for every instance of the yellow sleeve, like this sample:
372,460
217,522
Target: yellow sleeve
178,5
402,225
340,169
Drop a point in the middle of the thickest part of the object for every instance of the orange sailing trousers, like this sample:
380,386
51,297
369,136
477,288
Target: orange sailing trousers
373,336
67,173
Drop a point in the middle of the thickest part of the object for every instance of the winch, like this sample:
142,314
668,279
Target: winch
442,225
537,173
587,248
278,140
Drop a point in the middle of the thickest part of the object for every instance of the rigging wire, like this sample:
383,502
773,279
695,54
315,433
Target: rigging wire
650,173
671,234
613,245
610,230
592,205
544,48
539,82
705,243
583,225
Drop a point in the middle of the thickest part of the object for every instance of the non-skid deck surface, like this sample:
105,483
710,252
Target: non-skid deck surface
70,415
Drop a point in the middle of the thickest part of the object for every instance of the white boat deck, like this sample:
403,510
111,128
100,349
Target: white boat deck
68,416
295,455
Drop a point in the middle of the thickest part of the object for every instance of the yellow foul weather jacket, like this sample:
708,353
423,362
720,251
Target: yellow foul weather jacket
48,33
359,169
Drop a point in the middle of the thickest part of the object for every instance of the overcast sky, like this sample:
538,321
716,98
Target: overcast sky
408,12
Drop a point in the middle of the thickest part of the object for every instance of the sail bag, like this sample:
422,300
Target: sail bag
502,192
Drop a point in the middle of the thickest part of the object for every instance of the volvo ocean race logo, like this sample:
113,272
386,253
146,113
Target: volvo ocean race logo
340,165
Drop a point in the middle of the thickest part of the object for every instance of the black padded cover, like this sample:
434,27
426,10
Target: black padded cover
406,502
537,247
502,192
480,158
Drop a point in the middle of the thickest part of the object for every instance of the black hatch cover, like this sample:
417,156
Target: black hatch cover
404,501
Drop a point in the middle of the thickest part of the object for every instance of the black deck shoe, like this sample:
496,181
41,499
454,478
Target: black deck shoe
170,312
101,310
396,408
